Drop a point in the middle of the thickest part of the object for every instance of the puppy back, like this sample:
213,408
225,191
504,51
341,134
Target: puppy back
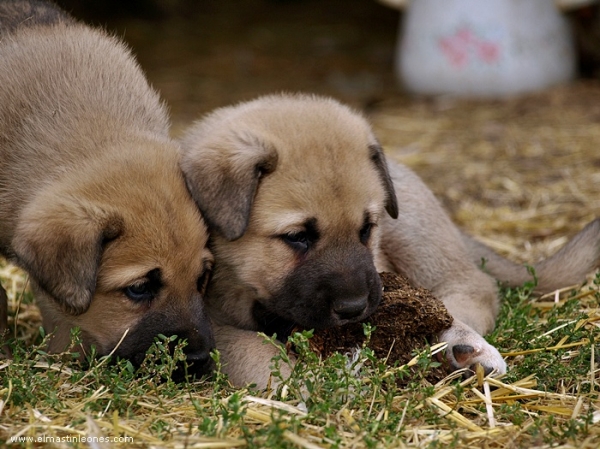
69,94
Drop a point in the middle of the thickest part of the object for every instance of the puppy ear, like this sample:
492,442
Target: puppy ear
391,204
223,173
59,243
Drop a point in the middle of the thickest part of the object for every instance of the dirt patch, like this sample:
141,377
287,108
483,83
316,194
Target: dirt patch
407,319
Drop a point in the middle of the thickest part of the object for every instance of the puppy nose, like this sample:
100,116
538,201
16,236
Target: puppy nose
348,308
197,352
199,362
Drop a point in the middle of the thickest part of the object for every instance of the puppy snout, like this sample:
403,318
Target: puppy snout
349,308
199,362
199,357
197,353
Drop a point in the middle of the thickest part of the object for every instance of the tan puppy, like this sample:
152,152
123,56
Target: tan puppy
296,189
93,204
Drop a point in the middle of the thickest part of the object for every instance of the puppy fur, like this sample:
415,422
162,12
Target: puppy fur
93,204
304,214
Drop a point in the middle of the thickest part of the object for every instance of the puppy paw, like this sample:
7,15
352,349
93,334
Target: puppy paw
468,356
466,349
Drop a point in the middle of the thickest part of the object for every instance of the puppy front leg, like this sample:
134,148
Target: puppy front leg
424,245
246,358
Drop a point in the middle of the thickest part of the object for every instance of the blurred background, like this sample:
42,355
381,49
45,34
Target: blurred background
202,54
521,171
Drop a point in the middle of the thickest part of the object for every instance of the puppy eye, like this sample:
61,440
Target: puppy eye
202,281
298,241
140,291
365,233
146,289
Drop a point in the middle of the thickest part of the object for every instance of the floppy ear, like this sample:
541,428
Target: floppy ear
391,203
59,243
222,174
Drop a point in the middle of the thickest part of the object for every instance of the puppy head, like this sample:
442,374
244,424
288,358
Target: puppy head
295,187
119,246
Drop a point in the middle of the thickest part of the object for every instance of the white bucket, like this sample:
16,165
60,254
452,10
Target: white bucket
483,48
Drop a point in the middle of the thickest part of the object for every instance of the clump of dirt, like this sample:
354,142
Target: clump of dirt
407,318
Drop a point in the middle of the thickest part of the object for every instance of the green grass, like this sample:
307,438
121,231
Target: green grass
549,398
